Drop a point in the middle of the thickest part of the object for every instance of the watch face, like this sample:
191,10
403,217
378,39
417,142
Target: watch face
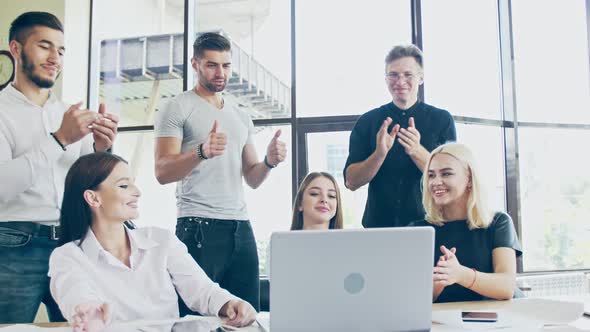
6,69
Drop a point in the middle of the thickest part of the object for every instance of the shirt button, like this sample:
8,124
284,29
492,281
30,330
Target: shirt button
403,113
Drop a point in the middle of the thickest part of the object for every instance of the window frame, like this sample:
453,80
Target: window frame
300,126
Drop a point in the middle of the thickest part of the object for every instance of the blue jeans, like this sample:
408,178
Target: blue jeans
24,284
226,251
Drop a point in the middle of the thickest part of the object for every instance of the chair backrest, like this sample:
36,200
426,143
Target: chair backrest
264,295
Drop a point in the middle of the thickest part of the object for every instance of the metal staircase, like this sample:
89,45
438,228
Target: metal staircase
130,66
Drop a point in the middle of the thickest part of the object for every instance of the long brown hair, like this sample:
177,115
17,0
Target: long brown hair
88,172
297,220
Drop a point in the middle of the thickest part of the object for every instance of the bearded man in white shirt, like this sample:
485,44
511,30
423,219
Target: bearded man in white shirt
40,138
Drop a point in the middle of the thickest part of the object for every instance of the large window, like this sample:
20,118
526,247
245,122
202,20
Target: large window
261,51
341,48
517,86
551,61
461,57
555,191
553,104
137,59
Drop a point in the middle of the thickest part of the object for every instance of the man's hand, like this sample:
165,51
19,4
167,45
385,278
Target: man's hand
410,139
104,129
277,150
91,317
238,312
74,125
386,140
215,144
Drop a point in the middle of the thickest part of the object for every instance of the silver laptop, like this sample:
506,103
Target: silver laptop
376,279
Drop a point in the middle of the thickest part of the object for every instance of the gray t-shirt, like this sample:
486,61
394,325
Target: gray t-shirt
214,188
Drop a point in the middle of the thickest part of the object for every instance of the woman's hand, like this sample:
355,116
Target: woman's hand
449,271
239,313
91,317
437,286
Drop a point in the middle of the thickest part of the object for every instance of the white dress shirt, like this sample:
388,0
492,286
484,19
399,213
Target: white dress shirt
83,272
33,166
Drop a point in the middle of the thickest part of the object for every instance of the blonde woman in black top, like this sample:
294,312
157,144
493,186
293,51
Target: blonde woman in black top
476,249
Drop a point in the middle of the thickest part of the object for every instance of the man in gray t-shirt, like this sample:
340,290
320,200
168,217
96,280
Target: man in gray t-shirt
205,143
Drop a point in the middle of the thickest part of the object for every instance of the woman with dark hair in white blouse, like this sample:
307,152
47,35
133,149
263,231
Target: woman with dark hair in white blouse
104,271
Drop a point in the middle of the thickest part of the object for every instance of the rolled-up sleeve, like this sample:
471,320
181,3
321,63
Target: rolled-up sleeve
18,173
199,292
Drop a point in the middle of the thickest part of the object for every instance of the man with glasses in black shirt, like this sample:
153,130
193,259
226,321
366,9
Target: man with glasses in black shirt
389,145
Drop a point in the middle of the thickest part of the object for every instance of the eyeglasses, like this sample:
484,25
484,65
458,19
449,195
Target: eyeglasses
395,77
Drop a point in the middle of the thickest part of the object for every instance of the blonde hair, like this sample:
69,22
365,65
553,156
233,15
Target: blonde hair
478,214
297,220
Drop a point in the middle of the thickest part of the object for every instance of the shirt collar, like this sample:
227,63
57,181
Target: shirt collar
20,96
90,246
93,249
410,110
140,241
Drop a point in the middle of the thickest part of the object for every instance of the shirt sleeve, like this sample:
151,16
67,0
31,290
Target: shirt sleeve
18,174
194,286
69,284
504,233
169,121
251,131
448,132
358,148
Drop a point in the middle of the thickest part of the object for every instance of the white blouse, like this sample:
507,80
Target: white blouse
82,272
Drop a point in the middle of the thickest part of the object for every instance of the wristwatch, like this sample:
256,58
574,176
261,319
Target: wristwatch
200,152
268,164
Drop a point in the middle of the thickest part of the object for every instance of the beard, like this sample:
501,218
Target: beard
213,88
208,85
29,71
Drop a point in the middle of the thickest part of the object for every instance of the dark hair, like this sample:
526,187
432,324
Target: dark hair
21,27
297,220
210,41
402,51
88,172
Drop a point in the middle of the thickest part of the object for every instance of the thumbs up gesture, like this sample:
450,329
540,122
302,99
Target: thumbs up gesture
215,143
277,150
